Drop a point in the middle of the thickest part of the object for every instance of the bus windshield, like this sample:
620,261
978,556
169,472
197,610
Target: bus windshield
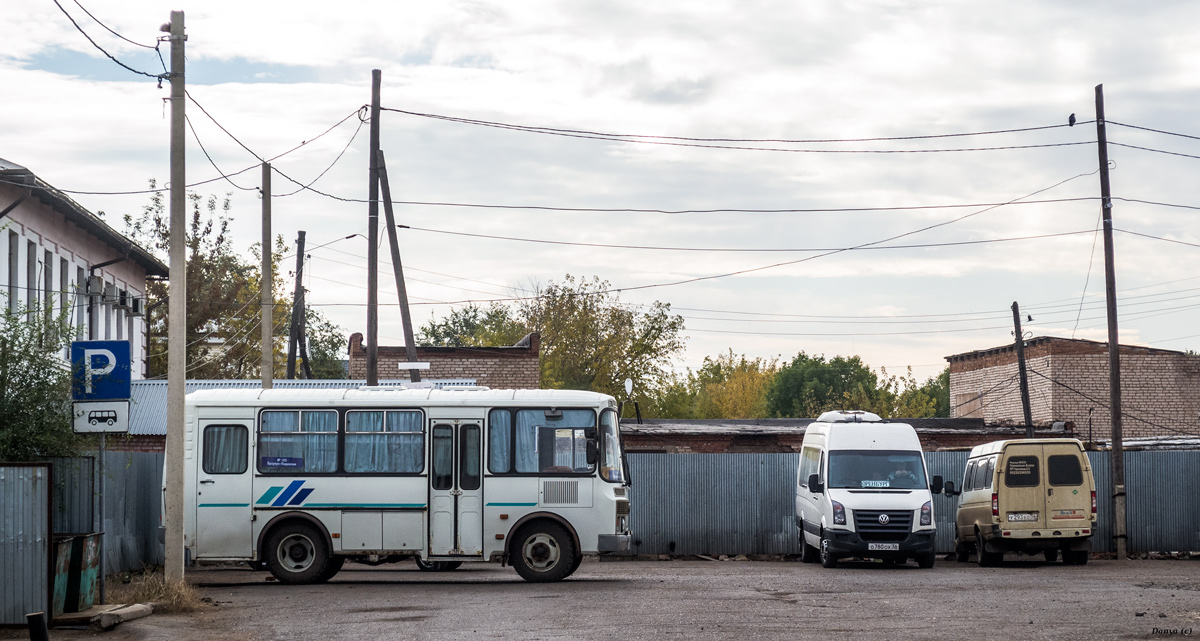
611,468
875,469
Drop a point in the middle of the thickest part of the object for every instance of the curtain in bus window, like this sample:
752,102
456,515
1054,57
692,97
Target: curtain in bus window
500,441
370,448
557,445
314,449
225,449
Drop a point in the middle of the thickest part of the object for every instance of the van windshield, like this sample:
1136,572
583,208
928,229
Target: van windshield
856,469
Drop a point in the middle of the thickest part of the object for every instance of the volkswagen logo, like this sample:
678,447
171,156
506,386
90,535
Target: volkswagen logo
883,519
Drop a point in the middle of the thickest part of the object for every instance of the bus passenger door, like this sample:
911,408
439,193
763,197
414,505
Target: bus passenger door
456,490
223,488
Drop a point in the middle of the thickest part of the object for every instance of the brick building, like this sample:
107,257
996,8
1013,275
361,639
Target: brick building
514,367
1069,382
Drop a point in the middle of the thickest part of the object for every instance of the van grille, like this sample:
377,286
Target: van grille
560,492
899,524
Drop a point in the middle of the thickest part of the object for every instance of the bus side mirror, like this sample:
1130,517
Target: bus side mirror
949,489
936,485
591,452
814,484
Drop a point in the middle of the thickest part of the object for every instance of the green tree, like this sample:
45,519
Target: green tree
938,387
35,386
473,326
732,386
326,346
810,385
590,341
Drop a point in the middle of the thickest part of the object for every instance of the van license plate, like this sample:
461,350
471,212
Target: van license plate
884,547
1022,516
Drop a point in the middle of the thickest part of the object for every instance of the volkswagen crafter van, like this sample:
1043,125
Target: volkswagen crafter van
861,491
1028,495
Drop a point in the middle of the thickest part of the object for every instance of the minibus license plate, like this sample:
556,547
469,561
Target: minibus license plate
884,547
1022,516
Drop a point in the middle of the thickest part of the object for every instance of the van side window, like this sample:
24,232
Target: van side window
1064,469
987,473
1022,471
810,462
225,449
969,477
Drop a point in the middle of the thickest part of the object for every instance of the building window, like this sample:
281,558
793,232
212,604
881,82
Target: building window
31,269
14,248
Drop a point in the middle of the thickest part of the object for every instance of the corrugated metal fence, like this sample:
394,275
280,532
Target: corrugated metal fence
743,503
25,539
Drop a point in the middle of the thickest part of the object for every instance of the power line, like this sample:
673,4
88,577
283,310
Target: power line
158,77
662,140
210,158
1167,240
1106,406
742,249
1087,279
335,161
1157,131
1157,151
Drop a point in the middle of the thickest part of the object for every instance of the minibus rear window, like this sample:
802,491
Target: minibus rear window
1022,471
1064,469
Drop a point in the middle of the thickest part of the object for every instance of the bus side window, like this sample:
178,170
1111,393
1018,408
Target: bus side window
987,473
225,449
969,476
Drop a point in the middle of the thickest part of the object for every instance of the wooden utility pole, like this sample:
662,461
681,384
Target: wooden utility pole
297,307
1114,345
1016,309
267,285
373,238
410,347
177,313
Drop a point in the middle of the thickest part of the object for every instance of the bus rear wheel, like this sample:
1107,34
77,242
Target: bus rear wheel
543,552
297,553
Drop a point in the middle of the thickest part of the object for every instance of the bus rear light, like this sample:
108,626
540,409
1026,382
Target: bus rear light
1093,501
1007,534
995,504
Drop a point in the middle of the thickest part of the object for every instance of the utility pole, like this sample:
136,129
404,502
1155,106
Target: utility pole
267,286
297,307
177,313
1021,370
410,347
1114,346
302,335
373,238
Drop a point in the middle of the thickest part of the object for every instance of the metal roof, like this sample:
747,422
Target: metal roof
148,399
14,174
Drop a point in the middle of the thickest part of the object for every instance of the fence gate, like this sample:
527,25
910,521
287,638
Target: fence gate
26,534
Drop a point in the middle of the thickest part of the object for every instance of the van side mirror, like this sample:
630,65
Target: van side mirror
936,485
814,484
949,489
590,452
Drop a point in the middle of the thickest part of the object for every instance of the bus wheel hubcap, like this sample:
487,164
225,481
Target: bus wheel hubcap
540,551
296,552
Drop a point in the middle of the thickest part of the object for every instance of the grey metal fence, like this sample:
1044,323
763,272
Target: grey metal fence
25,540
742,503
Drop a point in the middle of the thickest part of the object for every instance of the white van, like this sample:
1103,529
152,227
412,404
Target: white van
1035,496
861,491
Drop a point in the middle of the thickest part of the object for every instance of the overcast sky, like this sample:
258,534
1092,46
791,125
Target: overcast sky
277,74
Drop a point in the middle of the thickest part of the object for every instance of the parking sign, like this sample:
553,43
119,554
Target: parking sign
101,370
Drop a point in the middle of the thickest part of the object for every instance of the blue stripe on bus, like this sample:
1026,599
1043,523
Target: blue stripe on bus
224,505
365,505
511,504
268,495
300,496
287,493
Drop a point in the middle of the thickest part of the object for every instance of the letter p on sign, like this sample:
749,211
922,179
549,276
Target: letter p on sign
101,370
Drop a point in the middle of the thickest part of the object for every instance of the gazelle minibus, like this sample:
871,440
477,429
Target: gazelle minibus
302,480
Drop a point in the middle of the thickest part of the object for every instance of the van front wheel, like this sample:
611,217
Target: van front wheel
828,559
925,561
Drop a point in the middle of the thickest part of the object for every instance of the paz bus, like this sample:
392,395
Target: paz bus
302,480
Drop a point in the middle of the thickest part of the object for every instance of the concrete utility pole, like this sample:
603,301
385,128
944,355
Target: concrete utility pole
410,346
1021,369
1114,346
373,238
177,312
267,286
297,307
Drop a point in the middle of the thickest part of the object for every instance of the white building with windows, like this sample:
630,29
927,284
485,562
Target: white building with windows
59,256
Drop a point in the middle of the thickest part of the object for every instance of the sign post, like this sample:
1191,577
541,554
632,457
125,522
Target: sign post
100,389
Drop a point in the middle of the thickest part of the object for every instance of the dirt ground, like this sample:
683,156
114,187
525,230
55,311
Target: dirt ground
693,599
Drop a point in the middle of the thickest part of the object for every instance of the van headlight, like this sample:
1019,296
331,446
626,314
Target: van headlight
927,513
839,514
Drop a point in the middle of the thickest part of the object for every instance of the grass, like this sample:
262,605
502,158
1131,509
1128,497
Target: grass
150,586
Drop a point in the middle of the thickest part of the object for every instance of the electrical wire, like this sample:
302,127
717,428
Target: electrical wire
210,158
159,77
326,170
1157,131
1157,151
1107,406
1087,279
1166,240
662,140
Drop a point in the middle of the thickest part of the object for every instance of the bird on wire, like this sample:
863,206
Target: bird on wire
1071,121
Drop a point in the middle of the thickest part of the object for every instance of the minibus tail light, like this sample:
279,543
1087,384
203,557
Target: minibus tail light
1093,502
995,504
839,514
927,513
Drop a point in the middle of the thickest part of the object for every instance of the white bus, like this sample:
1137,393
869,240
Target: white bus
300,480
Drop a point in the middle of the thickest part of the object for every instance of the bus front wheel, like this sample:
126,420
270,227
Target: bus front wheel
297,553
543,552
